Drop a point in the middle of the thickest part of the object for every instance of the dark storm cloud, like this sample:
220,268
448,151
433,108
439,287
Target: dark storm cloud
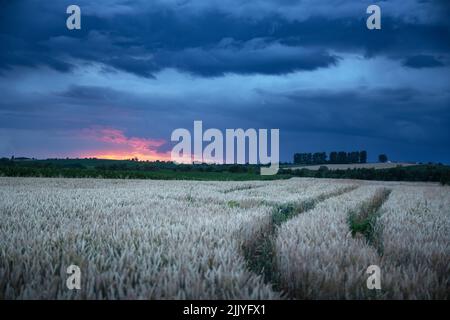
83,93
250,58
422,61
18,52
361,111
308,40
143,39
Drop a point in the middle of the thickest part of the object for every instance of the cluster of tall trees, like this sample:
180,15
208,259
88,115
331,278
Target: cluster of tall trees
334,157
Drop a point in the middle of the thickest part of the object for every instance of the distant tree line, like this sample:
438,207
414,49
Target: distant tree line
115,168
427,173
334,157
93,168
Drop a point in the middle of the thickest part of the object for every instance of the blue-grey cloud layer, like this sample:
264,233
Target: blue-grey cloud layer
206,40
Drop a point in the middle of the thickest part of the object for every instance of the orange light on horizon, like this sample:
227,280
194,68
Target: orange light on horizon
117,146
118,155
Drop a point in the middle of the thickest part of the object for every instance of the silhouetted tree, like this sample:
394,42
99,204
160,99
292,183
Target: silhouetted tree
323,157
353,157
342,157
319,158
309,158
363,156
382,158
333,157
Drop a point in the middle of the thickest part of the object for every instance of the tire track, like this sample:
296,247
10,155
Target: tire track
260,253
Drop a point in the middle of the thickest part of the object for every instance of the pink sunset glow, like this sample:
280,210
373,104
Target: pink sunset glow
117,146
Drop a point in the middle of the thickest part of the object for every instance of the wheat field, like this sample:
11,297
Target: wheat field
142,239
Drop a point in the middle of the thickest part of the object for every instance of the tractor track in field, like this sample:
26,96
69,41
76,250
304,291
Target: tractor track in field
260,253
